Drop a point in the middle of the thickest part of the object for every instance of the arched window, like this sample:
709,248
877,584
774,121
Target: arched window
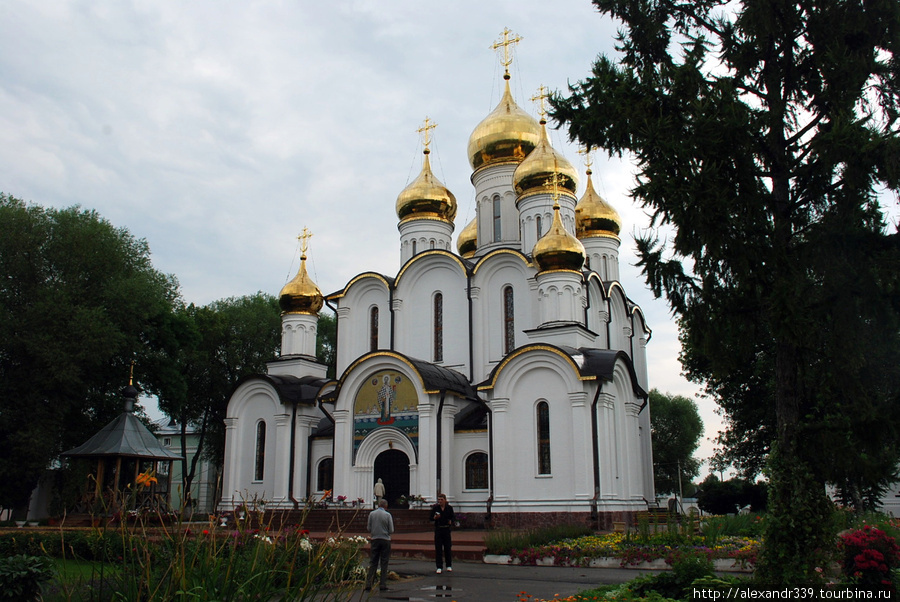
432,243
438,327
497,232
509,321
543,437
477,471
373,329
260,465
325,475
413,247
537,222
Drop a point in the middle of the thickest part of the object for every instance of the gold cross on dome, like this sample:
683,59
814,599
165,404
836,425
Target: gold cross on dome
425,130
304,237
506,42
555,181
542,95
588,157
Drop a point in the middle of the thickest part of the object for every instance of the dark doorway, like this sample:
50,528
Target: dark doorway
392,467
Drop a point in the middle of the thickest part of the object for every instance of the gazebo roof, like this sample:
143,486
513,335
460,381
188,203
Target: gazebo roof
125,436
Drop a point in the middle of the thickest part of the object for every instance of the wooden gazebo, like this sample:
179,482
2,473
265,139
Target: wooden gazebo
122,447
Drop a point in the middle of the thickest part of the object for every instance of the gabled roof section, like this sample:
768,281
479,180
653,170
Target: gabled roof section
463,265
388,283
590,364
303,390
501,251
434,378
125,436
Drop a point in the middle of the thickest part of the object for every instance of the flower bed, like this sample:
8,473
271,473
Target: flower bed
739,552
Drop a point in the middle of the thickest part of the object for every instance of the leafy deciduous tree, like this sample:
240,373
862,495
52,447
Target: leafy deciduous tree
675,429
79,300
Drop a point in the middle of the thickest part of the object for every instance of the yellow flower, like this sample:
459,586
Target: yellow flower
146,479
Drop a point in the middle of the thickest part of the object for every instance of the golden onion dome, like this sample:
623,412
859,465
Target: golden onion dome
467,243
557,249
594,217
301,295
544,170
508,134
426,197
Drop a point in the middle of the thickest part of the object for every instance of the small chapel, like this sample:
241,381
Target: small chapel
508,373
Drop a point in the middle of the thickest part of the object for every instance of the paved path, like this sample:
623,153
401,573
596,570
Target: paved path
477,582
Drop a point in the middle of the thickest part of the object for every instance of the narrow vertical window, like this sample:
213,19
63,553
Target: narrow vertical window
373,329
543,429
477,471
260,467
438,327
432,244
537,222
509,321
413,247
325,480
497,232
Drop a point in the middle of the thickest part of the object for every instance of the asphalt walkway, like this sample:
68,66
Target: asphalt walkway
478,582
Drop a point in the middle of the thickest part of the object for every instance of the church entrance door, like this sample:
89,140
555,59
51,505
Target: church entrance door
392,467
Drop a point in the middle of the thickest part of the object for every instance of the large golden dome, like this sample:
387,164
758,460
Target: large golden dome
301,295
541,167
426,197
508,134
594,217
557,249
467,243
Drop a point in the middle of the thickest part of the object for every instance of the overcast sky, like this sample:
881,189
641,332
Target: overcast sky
218,130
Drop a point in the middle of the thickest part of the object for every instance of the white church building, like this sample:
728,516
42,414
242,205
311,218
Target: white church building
509,373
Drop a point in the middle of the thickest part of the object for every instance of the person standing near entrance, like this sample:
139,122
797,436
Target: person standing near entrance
443,517
379,492
381,525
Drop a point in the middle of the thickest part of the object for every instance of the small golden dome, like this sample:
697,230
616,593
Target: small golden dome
557,249
301,295
594,217
467,243
508,134
426,197
541,167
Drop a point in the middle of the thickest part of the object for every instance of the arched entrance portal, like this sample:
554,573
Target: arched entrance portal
392,467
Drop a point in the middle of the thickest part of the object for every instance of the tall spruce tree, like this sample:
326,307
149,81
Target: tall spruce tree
763,132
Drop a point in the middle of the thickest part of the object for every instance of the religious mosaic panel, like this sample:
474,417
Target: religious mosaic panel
388,398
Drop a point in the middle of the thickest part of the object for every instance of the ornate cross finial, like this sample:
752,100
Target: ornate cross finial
131,374
555,181
588,158
425,130
304,237
542,95
505,43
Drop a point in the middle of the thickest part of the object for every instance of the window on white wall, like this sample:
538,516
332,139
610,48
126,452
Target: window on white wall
497,232
260,464
373,329
325,475
543,437
438,327
477,471
509,321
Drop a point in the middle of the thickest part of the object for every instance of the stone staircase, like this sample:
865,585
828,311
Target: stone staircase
413,532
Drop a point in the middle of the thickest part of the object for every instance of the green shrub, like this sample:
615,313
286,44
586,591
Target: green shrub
672,584
21,576
505,541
